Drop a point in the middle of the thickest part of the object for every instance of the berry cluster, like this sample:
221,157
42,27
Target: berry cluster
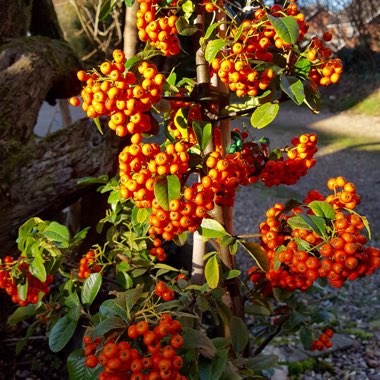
88,265
161,32
20,269
123,96
323,341
300,160
163,291
149,353
305,256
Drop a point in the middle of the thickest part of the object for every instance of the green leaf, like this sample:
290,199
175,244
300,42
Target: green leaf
323,209
77,369
239,334
232,274
257,309
61,333
257,253
306,337
213,370
103,179
212,272
37,268
167,188
286,28
106,8
142,215
210,228
131,62
105,326
91,288
24,340
277,262
281,294
264,115
180,121
129,3
114,307
184,28
312,95
180,240
293,87
213,48
188,6
22,313
298,222
57,233
261,362
98,126
22,290
211,28
302,244
302,67
198,339
203,132
364,220
316,223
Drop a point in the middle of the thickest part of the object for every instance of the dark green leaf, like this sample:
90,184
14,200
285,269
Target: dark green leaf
106,8
324,209
198,339
77,369
105,326
286,28
91,288
213,48
210,228
257,309
264,115
306,337
258,254
281,294
114,307
261,362
61,333
239,334
293,87
212,272
22,313
312,95
316,223
167,188
184,28
213,370
24,340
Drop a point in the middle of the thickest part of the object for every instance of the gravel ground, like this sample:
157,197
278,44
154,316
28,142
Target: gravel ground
349,145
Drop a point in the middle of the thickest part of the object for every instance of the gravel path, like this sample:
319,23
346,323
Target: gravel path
349,145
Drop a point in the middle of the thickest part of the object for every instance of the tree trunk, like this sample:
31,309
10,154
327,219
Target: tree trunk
42,178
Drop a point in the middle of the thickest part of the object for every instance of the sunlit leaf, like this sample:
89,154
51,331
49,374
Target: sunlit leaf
264,115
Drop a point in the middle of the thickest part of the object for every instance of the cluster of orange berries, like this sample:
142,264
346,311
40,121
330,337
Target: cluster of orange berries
149,354
9,283
163,291
323,341
339,257
161,32
88,265
123,96
299,160
327,71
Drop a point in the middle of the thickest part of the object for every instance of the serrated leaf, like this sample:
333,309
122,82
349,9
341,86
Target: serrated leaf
184,28
77,369
293,87
61,333
212,272
323,209
213,48
306,337
180,121
203,132
91,288
258,254
210,228
167,188
264,115
239,334
286,28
